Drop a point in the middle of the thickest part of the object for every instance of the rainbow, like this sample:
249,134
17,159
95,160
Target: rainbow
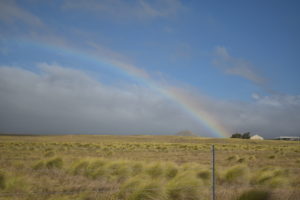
184,101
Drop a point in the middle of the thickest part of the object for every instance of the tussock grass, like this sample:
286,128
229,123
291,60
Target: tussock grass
119,170
137,168
17,184
49,154
184,187
171,170
272,157
39,165
128,187
91,168
149,190
273,177
79,167
2,180
155,170
255,194
141,167
95,168
241,160
236,174
204,174
54,163
232,158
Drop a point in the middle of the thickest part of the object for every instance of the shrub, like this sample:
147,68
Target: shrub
184,187
54,163
255,194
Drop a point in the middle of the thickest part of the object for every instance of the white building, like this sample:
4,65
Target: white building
291,138
256,137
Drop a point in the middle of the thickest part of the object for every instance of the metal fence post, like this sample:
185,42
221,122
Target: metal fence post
213,188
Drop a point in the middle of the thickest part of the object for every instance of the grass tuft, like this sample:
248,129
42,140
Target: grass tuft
204,175
2,180
236,174
184,187
270,177
79,167
39,165
255,194
155,170
128,187
171,170
137,168
54,163
152,190
119,170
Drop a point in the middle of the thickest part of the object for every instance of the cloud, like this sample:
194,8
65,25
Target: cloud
11,13
56,99
138,9
237,66
269,116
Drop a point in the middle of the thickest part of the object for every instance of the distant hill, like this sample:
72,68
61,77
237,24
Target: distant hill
186,133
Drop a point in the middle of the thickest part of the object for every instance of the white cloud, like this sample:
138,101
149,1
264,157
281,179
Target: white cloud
278,100
237,66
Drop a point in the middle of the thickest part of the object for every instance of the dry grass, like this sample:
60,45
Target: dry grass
145,167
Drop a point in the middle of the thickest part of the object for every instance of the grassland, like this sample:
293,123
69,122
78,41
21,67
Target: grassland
88,167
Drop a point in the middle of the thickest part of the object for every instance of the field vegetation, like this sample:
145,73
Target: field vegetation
96,167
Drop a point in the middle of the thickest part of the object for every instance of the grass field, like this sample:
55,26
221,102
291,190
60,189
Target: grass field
88,167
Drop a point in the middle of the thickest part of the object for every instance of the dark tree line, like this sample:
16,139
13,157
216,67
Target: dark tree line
242,136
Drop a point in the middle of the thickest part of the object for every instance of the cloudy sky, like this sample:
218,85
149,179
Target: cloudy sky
150,67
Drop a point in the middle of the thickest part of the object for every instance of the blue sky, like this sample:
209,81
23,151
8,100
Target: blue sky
227,52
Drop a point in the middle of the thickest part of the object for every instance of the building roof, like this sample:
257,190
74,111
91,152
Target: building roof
256,137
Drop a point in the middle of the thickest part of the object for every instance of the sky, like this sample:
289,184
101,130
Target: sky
150,67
